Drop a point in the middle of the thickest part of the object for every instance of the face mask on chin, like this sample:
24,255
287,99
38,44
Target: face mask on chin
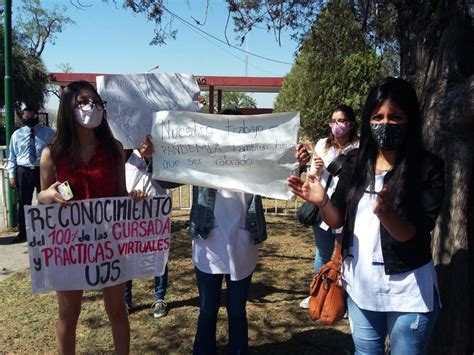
388,136
88,119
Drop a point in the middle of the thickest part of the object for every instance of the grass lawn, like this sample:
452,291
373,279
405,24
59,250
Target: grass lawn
276,323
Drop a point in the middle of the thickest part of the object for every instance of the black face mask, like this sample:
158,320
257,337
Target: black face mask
31,121
388,136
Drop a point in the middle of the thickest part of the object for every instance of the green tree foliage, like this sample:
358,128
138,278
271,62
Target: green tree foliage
340,57
34,28
334,66
30,76
378,19
232,100
296,14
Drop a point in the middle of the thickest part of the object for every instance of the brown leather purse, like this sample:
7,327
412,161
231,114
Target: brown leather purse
327,300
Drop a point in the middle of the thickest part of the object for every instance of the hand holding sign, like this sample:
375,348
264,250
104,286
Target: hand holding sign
96,243
146,148
132,99
52,195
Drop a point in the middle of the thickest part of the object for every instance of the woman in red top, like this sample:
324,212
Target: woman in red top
84,153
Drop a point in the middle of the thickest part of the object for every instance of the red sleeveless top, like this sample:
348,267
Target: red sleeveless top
97,178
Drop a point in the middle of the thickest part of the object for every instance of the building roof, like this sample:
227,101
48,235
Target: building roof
224,83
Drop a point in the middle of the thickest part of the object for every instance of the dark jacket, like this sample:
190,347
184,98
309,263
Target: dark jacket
202,215
400,257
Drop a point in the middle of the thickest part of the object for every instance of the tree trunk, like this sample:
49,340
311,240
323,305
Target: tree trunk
437,55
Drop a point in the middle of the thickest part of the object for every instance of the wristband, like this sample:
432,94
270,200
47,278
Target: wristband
325,202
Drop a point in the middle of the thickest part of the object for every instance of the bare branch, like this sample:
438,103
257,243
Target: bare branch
205,15
78,5
226,24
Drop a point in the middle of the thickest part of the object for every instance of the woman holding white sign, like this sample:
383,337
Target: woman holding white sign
226,227
138,175
85,154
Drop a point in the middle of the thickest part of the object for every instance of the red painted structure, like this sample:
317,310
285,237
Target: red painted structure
206,83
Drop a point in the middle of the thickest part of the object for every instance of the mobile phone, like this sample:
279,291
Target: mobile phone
65,190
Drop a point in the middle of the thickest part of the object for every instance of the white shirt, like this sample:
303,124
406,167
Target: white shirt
229,248
137,177
328,156
364,274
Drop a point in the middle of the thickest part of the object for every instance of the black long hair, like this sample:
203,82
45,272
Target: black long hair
350,115
66,141
404,179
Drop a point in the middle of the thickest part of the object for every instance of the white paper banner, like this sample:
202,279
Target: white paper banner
96,243
249,153
132,99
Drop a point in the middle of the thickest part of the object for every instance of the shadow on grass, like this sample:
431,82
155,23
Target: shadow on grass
315,341
280,210
260,291
91,296
276,323
281,256
95,321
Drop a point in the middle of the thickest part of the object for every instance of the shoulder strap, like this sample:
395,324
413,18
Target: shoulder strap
328,182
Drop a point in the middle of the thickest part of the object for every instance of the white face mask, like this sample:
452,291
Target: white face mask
88,119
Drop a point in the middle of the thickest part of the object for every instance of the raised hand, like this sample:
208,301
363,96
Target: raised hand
302,154
310,190
319,164
146,149
397,226
382,202
201,100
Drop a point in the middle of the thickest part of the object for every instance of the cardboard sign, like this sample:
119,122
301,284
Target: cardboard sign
248,153
96,243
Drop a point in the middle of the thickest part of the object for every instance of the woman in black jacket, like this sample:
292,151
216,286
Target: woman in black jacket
388,198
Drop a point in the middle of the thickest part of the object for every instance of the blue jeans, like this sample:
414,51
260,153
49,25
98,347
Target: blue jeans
161,282
209,286
409,332
324,246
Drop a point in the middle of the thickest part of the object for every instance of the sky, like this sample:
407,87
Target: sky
109,39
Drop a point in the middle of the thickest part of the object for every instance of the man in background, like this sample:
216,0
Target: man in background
26,145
